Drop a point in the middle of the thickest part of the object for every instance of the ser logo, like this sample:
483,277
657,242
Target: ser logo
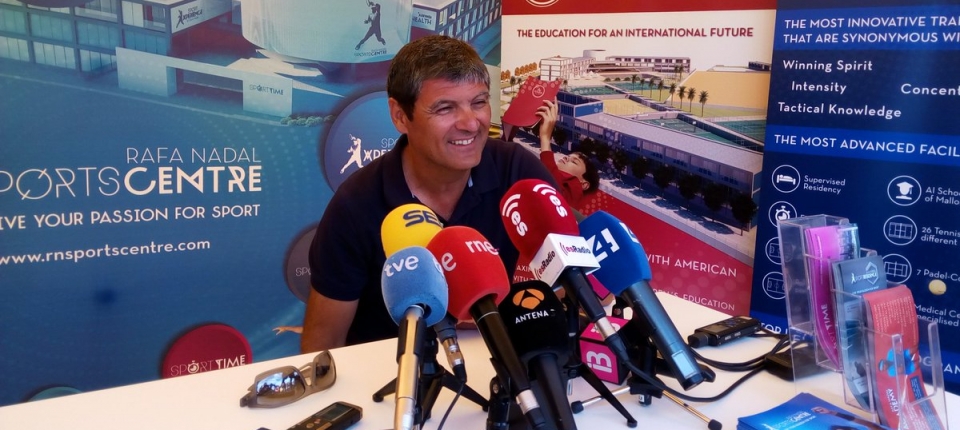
418,216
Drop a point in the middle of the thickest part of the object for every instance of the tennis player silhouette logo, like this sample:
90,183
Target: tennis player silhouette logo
356,154
374,20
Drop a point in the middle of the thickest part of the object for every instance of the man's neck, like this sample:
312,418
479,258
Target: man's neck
440,190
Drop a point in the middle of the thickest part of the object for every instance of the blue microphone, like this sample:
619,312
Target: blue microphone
624,271
415,294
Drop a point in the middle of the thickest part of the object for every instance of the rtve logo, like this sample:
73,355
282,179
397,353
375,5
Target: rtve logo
599,361
392,266
528,298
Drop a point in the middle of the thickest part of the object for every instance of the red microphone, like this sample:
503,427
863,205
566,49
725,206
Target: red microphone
540,223
477,282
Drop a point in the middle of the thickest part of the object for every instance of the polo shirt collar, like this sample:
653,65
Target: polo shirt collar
483,178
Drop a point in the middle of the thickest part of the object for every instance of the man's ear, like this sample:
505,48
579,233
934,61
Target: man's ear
584,184
398,116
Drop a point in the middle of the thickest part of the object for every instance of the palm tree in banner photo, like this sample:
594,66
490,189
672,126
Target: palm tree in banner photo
659,88
682,91
703,100
633,82
672,90
690,93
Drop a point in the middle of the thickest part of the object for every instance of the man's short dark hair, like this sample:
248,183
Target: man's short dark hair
432,57
591,174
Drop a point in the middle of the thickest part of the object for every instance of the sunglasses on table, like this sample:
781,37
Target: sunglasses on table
287,384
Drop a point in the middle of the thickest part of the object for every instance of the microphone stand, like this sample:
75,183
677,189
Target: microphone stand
432,378
643,354
576,367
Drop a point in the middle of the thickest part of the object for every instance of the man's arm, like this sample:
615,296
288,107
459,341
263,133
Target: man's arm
326,322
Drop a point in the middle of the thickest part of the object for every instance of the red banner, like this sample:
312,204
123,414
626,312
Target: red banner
557,7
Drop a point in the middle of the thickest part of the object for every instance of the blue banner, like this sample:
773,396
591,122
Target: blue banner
861,124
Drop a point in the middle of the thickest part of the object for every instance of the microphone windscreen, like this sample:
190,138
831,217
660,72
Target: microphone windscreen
530,210
622,259
536,321
412,276
411,224
472,267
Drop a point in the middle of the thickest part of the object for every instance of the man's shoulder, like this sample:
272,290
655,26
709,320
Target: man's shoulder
518,160
364,187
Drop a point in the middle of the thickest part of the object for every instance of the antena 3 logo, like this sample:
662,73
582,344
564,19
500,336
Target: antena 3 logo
542,3
527,298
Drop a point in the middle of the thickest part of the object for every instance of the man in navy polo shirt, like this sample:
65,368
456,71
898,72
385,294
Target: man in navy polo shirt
439,100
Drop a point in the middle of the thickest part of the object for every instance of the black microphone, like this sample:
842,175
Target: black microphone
541,224
624,271
446,330
478,281
537,325
415,294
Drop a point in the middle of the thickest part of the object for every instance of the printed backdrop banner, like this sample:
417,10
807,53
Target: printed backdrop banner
158,194
862,125
670,101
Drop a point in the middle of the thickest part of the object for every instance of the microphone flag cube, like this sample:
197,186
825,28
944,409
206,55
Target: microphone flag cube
560,251
598,357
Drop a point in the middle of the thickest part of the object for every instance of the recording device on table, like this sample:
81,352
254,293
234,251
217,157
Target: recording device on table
477,282
337,416
723,332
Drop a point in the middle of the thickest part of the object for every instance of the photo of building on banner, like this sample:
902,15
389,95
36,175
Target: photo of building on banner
669,105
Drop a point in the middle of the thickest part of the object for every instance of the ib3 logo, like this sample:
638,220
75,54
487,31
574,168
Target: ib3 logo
599,361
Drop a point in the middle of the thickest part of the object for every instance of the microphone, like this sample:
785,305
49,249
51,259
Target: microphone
446,330
478,281
406,225
540,223
414,224
415,294
537,325
624,271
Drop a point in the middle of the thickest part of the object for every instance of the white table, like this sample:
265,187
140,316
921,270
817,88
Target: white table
211,400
